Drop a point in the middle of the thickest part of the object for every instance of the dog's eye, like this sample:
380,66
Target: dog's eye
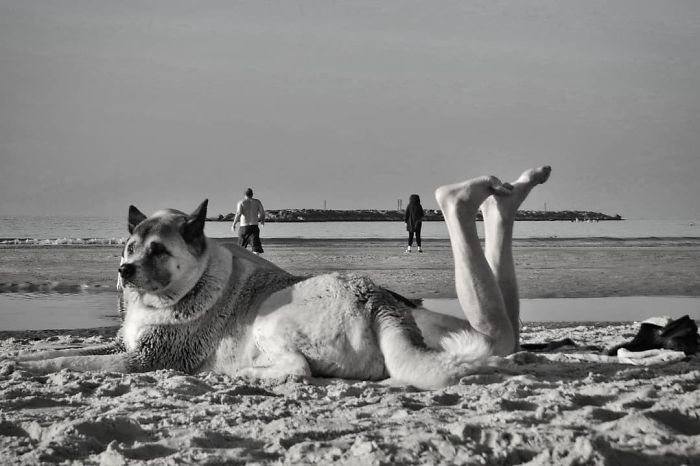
157,249
130,248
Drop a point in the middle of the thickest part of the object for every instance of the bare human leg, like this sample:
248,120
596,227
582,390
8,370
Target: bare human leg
478,291
499,215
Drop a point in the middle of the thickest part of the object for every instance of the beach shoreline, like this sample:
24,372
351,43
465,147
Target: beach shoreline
547,268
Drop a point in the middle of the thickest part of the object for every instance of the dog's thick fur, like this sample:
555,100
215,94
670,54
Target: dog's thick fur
194,305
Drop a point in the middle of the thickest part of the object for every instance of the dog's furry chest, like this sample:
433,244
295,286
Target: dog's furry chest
138,321
156,341
162,338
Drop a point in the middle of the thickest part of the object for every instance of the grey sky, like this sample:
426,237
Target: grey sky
164,103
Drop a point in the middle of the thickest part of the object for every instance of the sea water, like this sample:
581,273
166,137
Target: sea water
101,230
54,310
613,309
39,311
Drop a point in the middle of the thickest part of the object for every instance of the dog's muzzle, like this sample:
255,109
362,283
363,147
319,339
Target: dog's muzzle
126,271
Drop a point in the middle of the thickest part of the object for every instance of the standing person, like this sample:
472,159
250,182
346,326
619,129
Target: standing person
250,212
414,221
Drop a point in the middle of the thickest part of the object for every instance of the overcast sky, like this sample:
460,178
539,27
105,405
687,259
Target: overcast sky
164,103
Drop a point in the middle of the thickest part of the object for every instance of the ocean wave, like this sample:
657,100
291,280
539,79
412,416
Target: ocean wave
553,241
62,241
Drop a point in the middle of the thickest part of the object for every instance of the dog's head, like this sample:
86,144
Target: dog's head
166,252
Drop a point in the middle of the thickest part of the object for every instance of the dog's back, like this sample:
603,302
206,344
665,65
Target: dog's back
343,325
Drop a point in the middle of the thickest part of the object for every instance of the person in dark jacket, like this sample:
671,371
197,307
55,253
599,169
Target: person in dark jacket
414,221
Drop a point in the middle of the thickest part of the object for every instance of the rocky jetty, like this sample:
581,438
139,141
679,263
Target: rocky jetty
375,215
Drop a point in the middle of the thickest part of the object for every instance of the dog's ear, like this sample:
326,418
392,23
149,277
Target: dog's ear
135,217
194,226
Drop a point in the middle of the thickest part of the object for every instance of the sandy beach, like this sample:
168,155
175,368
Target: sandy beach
545,410
334,115
542,409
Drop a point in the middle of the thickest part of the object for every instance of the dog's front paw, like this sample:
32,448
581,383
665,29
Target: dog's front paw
40,367
251,373
9,356
273,375
7,367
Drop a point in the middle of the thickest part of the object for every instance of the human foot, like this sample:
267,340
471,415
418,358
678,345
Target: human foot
467,196
507,206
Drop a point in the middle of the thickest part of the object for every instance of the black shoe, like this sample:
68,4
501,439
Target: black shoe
681,335
678,335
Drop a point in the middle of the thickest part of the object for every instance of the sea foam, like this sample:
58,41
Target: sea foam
62,241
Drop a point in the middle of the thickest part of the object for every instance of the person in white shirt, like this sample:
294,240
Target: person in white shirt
250,213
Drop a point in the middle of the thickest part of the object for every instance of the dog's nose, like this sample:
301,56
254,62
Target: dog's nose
126,270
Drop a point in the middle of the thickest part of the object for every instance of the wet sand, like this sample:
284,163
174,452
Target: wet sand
546,268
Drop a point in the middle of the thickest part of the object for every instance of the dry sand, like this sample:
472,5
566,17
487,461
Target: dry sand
540,411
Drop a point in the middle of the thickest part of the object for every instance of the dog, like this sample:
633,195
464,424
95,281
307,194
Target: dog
194,305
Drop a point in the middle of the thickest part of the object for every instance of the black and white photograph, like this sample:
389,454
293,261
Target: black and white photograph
460,232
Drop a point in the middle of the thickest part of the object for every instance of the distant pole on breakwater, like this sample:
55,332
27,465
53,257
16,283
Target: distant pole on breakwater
324,204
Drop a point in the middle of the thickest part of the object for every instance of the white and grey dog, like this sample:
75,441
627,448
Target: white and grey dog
194,305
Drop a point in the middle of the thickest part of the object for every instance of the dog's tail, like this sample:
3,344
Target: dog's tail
409,360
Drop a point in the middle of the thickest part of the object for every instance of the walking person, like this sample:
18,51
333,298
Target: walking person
250,213
414,221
